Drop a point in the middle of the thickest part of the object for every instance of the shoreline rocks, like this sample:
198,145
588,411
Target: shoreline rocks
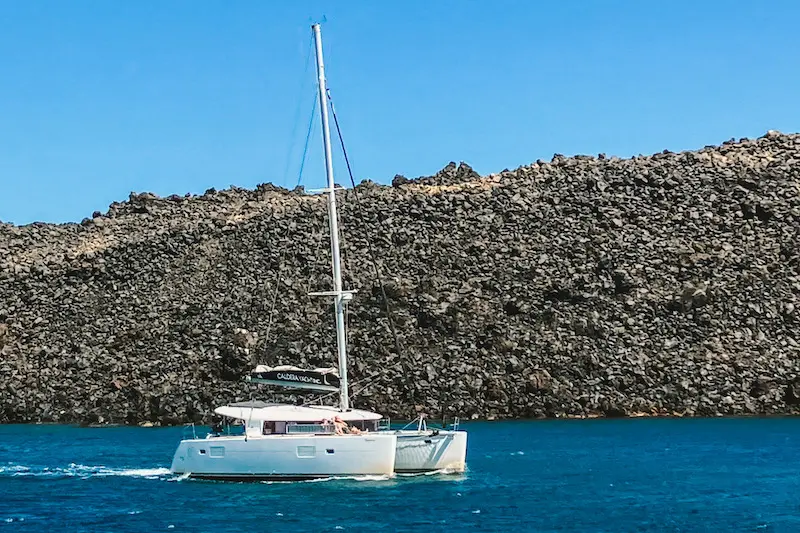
664,284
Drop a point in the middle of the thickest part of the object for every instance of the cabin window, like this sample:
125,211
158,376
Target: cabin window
306,451
364,425
292,427
216,451
269,428
329,451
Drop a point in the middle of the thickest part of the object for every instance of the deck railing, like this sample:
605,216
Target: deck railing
189,431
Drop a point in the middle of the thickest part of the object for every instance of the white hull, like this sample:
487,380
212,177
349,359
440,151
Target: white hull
285,457
422,451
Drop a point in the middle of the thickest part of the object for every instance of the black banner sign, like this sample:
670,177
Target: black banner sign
301,379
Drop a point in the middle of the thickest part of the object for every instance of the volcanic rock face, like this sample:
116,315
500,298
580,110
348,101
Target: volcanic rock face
584,286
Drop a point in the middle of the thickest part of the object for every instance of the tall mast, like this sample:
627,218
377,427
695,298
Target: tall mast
339,296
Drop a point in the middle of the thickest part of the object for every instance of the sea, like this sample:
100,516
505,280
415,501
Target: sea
604,475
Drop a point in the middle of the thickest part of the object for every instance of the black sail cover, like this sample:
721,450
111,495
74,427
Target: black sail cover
323,379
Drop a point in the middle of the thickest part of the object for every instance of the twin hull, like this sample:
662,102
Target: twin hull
427,451
292,457
286,457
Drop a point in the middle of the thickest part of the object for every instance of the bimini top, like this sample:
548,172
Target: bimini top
279,412
323,379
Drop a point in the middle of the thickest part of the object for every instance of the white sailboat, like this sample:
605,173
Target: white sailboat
282,441
289,442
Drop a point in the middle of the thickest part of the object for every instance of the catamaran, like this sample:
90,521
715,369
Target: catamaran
291,442
420,449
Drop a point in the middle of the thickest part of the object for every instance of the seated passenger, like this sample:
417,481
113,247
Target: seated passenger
342,427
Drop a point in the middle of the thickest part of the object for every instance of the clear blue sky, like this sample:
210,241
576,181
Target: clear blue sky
101,98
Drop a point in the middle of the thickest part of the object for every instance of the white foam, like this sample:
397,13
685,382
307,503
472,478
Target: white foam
334,478
13,469
441,471
181,477
150,473
82,471
350,478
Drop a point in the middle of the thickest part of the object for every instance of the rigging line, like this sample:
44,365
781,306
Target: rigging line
298,110
288,227
355,383
365,387
308,138
397,346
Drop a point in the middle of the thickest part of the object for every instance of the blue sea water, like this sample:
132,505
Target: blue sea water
637,475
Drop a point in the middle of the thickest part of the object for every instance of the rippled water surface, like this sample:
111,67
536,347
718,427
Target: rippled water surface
599,475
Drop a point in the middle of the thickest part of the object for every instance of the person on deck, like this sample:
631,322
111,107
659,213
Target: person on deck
342,427
339,425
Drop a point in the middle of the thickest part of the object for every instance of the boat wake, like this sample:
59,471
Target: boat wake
335,478
440,472
392,477
74,470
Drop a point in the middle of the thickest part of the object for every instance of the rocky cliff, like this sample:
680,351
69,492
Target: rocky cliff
582,286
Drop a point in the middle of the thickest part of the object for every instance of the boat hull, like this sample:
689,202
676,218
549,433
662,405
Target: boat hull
428,451
285,457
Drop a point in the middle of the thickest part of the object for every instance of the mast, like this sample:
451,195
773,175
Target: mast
339,296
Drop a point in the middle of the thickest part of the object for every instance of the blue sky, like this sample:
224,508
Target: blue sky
98,99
